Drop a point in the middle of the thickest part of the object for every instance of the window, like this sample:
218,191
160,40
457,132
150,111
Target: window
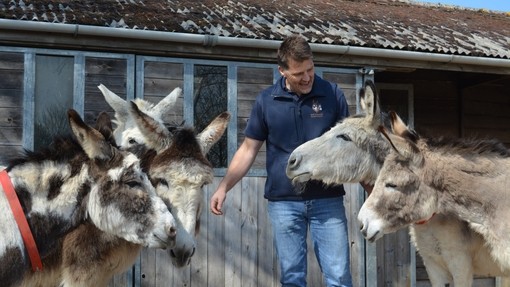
210,100
53,97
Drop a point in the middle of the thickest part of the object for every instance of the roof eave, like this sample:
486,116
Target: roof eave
212,40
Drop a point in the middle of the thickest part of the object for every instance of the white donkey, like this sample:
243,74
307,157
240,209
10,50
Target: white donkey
354,151
183,191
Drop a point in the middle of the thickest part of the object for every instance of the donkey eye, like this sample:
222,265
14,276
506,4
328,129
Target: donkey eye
132,141
163,181
133,184
344,137
391,185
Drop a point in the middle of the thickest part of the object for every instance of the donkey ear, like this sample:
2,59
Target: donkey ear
404,147
399,128
369,102
166,104
91,140
104,126
213,132
117,103
157,136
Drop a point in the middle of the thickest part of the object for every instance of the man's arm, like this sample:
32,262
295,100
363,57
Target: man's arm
241,163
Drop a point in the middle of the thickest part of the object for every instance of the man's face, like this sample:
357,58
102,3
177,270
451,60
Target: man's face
299,76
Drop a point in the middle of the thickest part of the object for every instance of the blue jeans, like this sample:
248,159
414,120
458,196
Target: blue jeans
328,229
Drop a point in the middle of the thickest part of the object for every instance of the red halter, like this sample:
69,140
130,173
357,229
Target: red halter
21,220
423,221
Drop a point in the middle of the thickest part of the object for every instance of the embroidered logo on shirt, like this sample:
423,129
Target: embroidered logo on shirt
317,108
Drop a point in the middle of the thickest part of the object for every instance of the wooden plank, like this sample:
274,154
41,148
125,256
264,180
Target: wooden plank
487,121
402,258
235,217
106,66
485,108
485,282
178,276
501,135
346,80
115,83
122,280
253,75
160,87
492,95
268,270
163,70
11,117
248,92
148,267
9,152
252,188
216,245
353,199
11,79
11,136
199,272
12,61
11,98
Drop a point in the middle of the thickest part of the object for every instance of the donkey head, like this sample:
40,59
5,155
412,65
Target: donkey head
179,170
398,198
122,200
127,133
84,178
352,151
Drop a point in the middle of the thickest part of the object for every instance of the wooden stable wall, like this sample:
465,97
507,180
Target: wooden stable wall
236,249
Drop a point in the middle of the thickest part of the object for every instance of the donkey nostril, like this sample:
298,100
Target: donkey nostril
192,252
173,232
294,161
172,253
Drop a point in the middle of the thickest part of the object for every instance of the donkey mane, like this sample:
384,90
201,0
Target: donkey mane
184,145
63,148
469,147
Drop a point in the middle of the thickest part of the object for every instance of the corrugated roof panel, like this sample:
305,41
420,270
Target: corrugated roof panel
402,25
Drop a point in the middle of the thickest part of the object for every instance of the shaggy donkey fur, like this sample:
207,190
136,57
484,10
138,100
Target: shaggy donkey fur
78,181
175,161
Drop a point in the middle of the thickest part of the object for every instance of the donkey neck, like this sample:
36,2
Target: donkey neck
467,187
52,196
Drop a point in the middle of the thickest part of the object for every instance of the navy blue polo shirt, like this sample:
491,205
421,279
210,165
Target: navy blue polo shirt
284,120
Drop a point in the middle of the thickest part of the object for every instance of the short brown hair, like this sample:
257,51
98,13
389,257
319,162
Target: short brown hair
293,47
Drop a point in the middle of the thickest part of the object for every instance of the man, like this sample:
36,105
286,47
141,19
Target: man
299,107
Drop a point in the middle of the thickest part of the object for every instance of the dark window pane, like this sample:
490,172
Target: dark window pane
53,97
209,100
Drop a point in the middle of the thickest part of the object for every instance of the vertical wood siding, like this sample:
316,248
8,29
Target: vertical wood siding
237,249
11,105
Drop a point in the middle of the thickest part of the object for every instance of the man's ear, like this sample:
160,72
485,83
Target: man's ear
281,70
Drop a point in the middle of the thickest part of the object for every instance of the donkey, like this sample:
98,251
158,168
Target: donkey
354,151
186,201
176,163
463,180
78,180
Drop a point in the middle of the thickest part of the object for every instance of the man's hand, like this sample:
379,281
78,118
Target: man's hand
217,200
